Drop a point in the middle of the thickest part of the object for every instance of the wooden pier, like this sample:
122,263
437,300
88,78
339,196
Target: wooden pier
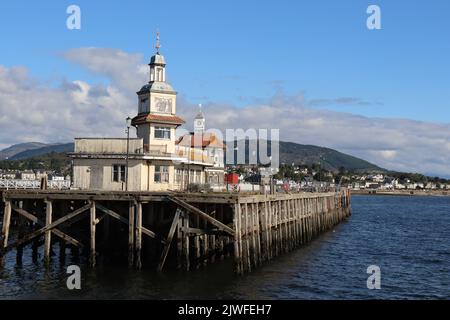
167,230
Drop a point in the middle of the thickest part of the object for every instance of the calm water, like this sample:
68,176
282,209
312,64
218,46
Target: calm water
408,237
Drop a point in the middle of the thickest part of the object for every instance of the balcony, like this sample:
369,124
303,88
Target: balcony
154,149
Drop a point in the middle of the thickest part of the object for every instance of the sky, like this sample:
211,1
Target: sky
310,68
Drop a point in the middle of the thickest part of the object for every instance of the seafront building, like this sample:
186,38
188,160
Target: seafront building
155,160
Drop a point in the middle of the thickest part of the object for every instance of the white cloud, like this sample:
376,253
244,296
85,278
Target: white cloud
395,144
30,110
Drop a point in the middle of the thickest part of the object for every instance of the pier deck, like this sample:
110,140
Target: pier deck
168,229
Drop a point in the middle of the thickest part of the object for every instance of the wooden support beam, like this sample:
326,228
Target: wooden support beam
48,233
131,214
6,224
117,216
21,233
202,215
92,226
56,232
49,227
169,240
237,237
179,244
138,234
111,213
186,242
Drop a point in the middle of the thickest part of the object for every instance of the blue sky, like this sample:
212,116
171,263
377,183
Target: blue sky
309,68
240,52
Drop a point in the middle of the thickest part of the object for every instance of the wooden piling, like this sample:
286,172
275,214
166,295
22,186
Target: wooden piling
254,228
48,234
6,223
131,232
187,262
237,239
138,235
92,226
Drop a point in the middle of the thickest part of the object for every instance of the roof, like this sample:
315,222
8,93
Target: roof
205,140
156,118
200,115
156,86
158,59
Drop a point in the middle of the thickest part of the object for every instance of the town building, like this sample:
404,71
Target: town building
155,160
207,144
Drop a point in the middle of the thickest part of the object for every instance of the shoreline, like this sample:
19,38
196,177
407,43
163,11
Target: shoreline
420,193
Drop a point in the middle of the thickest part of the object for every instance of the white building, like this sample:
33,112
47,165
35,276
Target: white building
27,175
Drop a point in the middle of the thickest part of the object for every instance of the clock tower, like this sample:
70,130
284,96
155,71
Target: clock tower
156,120
199,122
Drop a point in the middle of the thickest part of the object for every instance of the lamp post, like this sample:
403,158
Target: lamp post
128,151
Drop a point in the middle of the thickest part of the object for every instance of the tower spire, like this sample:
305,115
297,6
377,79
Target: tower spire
158,44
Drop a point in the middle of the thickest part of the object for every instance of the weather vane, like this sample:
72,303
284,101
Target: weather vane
158,45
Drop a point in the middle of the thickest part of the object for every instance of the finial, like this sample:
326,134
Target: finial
158,45
200,107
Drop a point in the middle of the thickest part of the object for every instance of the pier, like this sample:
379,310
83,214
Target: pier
167,229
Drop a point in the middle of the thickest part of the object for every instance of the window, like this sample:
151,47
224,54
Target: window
178,176
119,173
161,174
162,132
144,105
198,175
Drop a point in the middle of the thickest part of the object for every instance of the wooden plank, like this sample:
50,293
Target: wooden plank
253,234
48,233
248,261
112,213
203,215
179,245
258,233
169,240
51,226
186,242
138,234
92,227
237,249
131,214
124,220
21,233
6,224
56,232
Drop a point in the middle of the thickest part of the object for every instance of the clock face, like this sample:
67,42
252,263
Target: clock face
199,122
163,105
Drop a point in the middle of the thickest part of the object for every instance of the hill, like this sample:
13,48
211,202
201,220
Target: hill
58,162
330,159
18,148
44,150
289,153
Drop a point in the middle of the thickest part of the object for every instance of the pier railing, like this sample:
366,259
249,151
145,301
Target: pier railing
33,184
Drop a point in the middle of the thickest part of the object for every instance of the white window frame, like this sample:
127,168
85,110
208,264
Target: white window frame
121,172
164,130
161,174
